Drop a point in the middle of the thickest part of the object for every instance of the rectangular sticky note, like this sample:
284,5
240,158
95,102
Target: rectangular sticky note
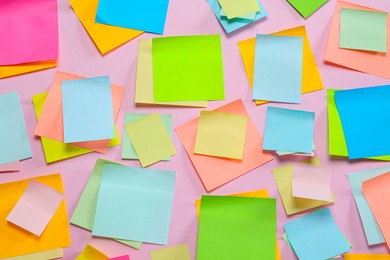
173,252
306,8
13,70
237,8
90,252
250,16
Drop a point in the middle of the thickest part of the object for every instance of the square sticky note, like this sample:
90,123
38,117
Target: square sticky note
306,8
132,188
221,134
173,252
363,30
90,252
147,15
288,130
150,139
310,233
14,143
227,223
250,16
278,68
237,8
188,68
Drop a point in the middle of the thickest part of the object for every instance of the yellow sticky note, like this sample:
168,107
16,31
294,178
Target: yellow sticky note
366,257
150,139
13,70
221,134
50,254
105,37
238,8
311,78
144,93
169,253
89,252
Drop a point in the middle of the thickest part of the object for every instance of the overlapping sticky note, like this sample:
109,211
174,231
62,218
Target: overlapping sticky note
173,252
49,254
90,252
237,8
13,70
366,257
306,8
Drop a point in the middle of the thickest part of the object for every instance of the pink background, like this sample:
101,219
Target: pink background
78,55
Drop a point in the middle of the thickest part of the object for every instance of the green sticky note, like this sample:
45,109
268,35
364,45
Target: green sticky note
84,214
187,68
236,228
305,7
363,30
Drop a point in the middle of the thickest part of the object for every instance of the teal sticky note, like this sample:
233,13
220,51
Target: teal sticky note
128,151
87,109
288,130
134,204
316,236
14,144
371,229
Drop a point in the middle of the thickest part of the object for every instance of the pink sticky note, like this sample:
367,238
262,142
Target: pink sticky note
124,257
10,167
36,207
29,31
310,182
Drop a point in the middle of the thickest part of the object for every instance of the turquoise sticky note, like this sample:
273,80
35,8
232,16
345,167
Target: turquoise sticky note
145,15
288,130
87,109
316,236
135,204
278,68
14,144
371,228
128,151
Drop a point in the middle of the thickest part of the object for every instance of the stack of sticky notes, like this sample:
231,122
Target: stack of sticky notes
306,8
29,36
77,116
359,39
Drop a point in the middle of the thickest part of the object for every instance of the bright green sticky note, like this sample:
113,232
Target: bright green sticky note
305,7
188,68
84,214
236,228
363,30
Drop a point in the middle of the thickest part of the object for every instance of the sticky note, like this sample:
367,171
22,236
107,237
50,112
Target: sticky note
133,188
278,68
188,68
221,134
310,233
363,30
49,254
124,257
14,143
150,139
250,221
90,252
34,33
140,15
236,8
10,167
13,70
250,16
173,252
366,257
215,171
306,8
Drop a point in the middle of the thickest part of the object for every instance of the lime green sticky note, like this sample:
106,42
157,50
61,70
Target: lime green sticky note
363,30
230,223
187,68
238,8
306,8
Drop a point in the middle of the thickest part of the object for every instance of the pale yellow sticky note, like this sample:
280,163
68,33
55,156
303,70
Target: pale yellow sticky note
47,255
105,37
173,252
144,93
150,139
238,8
89,252
13,70
367,257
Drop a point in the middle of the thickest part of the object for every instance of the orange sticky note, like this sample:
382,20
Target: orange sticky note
375,63
214,171
13,70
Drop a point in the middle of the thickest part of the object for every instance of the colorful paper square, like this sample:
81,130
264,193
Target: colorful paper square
237,8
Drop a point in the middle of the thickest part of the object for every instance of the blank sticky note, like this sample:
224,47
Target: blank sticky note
310,233
173,252
278,68
250,16
90,252
87,109
221,134
132,189
14,144
237,8
363,30
306,8
366,257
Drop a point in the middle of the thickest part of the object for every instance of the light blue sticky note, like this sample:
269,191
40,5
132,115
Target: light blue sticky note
365,117
316,236
145,15
135,204
14,144
128,151
371,228
288,130
235,23
278,68
87,109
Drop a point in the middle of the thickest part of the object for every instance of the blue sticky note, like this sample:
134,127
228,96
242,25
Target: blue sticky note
87,109
134,204
316,236
231,25
278,68
145,15
365,117
288,130
373,234
14,144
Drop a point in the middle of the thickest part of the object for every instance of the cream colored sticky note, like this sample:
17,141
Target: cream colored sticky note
173,252
238,8
47,255
89,252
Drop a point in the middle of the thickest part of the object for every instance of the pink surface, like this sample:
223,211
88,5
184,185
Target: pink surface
78,55
10,167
